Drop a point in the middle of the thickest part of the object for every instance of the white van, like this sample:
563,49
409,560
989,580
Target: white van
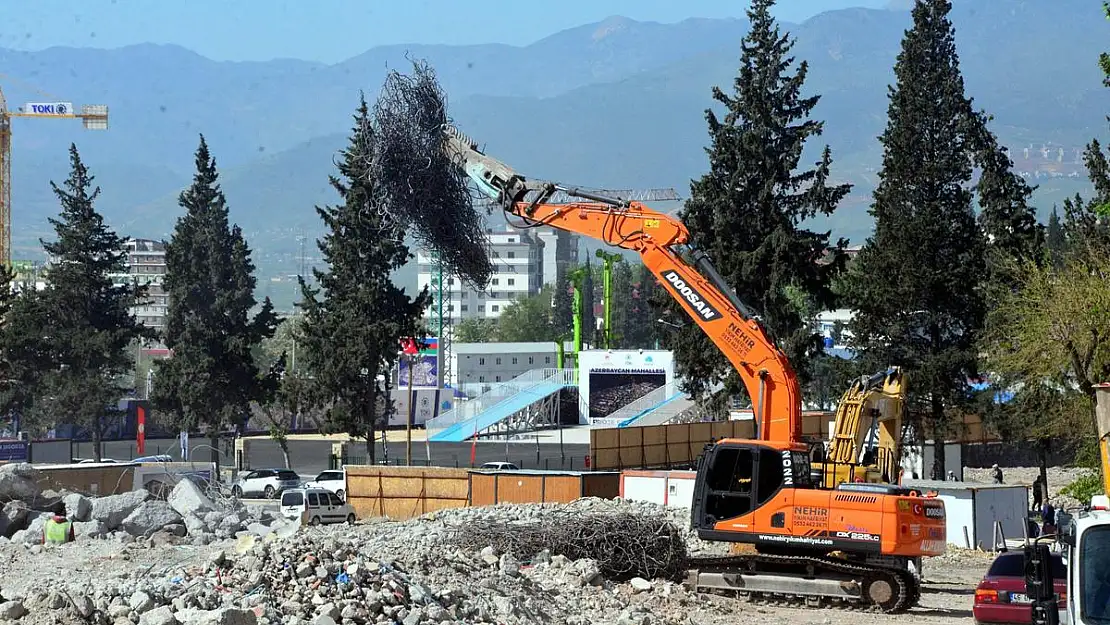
315,506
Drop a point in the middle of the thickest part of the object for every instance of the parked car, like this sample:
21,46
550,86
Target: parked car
266,482
315,506
1001,598
335,481
500,466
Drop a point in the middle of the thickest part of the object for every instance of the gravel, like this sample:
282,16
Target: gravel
382,571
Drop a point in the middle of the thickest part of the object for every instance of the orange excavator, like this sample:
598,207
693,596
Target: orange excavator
851,544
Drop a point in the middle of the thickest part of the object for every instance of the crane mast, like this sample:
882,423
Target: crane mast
93,117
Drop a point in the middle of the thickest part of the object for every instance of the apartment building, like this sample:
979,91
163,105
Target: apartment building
517,258
146,264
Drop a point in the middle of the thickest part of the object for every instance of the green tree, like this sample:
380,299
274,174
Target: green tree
24,356
1008,221
562,308
1052,335
213,377
832,375
527,320
476,330
1056,243
1086,222
589,299
622,304
643,331
915,285
747,212
356,317
86,325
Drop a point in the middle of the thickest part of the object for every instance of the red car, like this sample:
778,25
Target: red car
1001,598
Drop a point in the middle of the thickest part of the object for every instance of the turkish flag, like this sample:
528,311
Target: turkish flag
140,436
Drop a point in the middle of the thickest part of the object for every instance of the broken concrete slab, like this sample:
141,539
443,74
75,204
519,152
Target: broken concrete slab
113,509
149,517
188,498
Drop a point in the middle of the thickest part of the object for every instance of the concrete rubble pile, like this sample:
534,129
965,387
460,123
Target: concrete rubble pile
188,513
373,573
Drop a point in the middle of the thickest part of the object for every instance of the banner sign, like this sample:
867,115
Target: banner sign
13,451
49,108
426,372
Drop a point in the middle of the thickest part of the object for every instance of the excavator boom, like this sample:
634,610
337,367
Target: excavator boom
688,275
872,408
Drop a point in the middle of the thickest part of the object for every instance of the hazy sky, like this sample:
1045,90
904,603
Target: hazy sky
333,30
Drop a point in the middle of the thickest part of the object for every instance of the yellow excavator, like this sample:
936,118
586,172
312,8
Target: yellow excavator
867,434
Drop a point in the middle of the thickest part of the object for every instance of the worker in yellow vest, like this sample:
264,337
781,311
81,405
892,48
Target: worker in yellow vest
58,530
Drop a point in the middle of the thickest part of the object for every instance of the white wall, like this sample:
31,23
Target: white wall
674,489
1007,505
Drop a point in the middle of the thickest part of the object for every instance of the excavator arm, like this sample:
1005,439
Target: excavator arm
662,242
871,404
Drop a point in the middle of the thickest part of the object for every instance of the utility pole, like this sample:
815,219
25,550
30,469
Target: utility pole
412,412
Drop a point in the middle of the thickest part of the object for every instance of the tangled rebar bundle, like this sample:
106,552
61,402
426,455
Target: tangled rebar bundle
421,185
624,545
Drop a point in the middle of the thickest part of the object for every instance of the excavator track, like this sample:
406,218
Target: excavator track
812,579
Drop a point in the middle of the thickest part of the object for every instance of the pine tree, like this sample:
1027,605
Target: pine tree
356,318
213,377
84,325
915,285
746,212
1056,243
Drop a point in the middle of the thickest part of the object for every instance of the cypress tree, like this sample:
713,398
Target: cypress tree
213,376
562,306
747,212
915,286
621,333
589,298
84,325
1008,221
1055,240
356,317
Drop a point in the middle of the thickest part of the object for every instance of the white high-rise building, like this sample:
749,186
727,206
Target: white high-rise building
146,264
518,271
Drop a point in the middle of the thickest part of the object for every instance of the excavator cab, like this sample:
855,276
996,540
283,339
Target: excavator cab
741,476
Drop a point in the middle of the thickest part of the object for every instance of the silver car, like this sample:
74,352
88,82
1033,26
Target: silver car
266,482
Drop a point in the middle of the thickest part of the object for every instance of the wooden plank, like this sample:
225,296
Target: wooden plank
563,488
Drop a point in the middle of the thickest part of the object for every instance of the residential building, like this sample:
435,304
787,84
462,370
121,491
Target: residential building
146,264
517,259
476,367
560,252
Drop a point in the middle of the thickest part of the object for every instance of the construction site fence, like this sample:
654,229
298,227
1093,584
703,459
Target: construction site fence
407,492
579,460
659,446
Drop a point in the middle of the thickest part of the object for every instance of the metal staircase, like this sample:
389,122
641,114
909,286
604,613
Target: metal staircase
524,403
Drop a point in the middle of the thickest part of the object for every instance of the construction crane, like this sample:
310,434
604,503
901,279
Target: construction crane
94,117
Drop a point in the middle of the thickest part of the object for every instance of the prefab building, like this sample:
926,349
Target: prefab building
972,509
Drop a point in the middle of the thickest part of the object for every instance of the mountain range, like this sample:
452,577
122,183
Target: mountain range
616,104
